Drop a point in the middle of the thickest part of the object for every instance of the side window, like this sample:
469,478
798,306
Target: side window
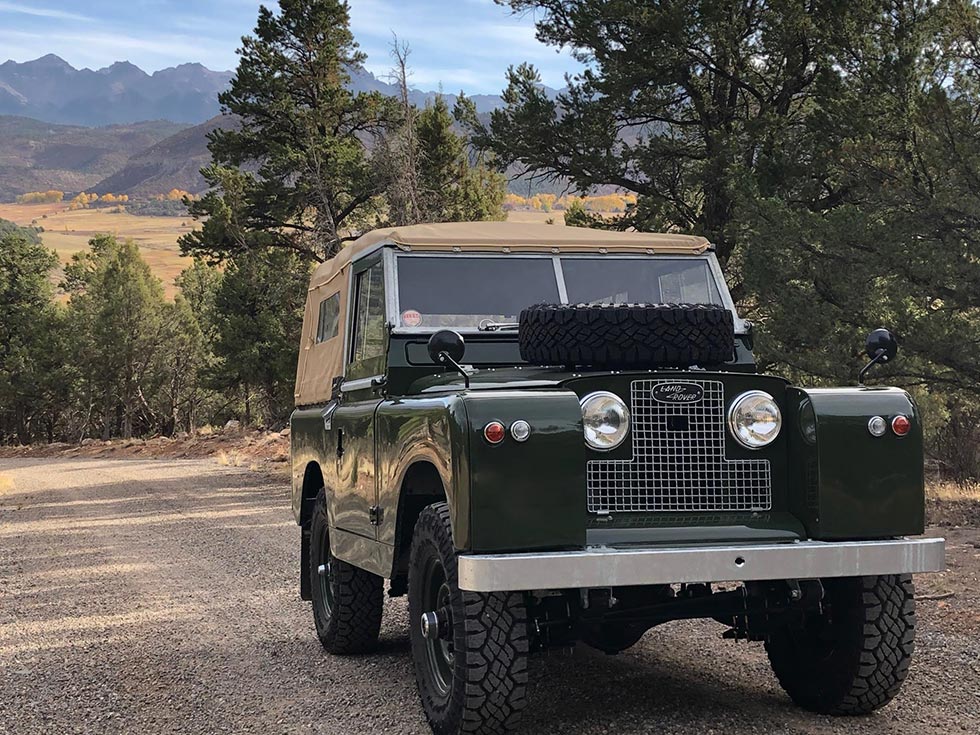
369,319
329,323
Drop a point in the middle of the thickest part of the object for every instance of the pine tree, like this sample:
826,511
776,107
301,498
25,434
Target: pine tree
259,316
294,173
28,334
116,315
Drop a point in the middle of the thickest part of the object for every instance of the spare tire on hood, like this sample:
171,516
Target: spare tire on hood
627,335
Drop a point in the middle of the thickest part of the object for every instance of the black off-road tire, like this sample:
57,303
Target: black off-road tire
349,620
486,690
627,335
852,659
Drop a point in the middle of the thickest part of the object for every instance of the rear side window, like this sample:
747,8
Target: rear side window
329,324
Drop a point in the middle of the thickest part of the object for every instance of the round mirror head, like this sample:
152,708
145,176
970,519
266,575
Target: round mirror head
881,341
448,341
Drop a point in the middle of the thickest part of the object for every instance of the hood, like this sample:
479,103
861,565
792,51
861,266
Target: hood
529,377
496,378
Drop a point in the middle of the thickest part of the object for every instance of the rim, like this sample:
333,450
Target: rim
326,589
439,653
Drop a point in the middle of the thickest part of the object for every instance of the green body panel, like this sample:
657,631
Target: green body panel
309,445
852,485
430,429
528,495
355,488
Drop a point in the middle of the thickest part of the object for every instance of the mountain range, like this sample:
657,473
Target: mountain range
52,90
79,130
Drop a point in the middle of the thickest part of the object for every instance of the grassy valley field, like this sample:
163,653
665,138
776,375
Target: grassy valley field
68,232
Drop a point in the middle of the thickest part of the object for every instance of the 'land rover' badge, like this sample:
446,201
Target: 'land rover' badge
677,393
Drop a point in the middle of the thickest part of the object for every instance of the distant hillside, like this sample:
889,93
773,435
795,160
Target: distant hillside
173,163
138,159
38,156
52,90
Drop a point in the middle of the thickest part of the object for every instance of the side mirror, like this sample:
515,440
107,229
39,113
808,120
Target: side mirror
448,347
446,342
881,346
881,342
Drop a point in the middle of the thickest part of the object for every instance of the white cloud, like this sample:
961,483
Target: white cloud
38,12
95,48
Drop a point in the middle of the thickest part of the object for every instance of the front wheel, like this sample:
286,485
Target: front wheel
469,649
852,658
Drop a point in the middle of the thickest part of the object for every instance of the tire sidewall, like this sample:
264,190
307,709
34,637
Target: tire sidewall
432,541
320,554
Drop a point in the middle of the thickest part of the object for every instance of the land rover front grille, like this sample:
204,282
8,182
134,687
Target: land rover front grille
679,461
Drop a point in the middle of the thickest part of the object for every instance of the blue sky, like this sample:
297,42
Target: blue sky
456,44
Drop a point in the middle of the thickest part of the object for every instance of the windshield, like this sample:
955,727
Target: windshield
457,291
639,281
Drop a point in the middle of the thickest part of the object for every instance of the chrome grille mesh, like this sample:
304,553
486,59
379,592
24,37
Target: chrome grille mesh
678,464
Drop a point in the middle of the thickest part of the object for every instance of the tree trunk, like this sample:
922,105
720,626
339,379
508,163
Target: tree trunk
107,418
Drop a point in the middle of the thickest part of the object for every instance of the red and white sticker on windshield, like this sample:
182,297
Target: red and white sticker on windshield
411,318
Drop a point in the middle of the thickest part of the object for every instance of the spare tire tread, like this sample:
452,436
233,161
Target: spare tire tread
627,335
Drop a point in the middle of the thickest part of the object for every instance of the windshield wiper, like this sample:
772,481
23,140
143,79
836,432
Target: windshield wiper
490,326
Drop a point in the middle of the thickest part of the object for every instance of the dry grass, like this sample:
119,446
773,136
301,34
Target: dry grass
6,484
556,217
68,232
954,491
233,458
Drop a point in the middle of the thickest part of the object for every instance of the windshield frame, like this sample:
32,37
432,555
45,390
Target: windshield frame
392,256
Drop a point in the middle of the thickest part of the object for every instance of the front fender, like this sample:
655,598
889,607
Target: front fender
850,484
526,495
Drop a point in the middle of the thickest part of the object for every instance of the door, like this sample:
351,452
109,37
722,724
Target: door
356,491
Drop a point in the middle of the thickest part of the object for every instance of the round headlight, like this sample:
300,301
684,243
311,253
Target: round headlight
754,419
606,419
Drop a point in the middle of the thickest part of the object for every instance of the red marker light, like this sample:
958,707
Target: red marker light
901,425
494,432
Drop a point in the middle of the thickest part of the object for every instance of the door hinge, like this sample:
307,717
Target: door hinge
375,515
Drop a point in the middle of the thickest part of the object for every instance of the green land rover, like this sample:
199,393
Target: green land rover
548,435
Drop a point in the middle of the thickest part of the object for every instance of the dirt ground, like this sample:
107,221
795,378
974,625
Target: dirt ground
160,595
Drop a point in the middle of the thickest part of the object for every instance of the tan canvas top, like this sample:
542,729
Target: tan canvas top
320,363
513,237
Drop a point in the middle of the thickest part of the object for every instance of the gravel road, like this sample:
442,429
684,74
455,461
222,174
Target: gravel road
161,596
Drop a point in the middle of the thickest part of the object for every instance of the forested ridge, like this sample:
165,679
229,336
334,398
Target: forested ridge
830,150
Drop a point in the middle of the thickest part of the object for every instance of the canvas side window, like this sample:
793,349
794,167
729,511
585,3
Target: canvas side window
369,321
329,324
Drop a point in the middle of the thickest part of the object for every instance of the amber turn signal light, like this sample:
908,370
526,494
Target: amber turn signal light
901,425
494,432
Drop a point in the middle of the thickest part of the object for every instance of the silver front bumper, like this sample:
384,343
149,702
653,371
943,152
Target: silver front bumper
608,567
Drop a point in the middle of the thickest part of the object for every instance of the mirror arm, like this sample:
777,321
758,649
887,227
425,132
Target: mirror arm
880,357
444,358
